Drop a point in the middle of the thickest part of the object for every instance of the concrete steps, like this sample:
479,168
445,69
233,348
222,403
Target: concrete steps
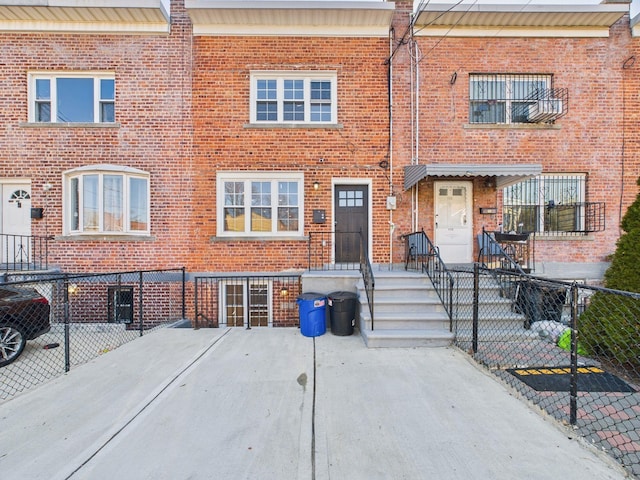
407,312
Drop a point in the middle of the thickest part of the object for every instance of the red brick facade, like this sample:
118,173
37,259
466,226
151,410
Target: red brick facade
183,116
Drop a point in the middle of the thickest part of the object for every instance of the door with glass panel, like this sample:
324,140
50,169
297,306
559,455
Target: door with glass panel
351,221
16,223
453,222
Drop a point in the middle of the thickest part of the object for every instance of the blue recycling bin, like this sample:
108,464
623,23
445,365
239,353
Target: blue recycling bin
312,308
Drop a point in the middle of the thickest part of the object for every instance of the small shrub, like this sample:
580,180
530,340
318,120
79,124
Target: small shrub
610,326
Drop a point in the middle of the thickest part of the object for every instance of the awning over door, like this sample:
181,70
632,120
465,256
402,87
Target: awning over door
505,174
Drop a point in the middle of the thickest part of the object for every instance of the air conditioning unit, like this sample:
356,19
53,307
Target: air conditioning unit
545,110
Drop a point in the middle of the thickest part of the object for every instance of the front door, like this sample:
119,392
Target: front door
16,222
453,222
351,221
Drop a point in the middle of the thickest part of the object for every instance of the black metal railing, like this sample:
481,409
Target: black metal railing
368,279
569,348
493,256
331,250
578,218
24,252
423,256
252,300
88,315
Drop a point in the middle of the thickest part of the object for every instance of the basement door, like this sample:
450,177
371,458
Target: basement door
16,220
453,222
351,221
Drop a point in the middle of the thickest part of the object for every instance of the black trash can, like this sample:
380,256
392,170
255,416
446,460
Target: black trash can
540,302
342,312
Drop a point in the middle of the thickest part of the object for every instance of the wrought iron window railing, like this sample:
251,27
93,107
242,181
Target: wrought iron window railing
515,98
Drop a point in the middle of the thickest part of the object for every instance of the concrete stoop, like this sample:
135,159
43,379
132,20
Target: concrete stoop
407,312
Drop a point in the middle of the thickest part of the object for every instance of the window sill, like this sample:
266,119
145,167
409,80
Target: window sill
564,238
297,238
105,238
68,125
268,125
511,126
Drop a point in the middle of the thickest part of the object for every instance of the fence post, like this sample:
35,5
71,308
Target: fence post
67,342
573,388
196,320
248,304
140,298
184,293
476,294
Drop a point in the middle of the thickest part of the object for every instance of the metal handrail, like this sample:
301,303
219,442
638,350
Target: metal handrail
24,252
426,258
491,251
367,276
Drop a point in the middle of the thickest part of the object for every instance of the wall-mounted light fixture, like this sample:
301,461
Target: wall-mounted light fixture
316,185
284,291
72,288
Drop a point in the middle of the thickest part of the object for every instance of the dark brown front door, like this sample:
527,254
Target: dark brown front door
351,221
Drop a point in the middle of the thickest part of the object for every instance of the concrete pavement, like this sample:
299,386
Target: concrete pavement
272,404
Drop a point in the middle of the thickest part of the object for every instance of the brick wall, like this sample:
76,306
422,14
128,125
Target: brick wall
589,139
153,95
223,143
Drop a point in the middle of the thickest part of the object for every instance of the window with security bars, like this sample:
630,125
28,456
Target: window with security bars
551,204
510,98
246,303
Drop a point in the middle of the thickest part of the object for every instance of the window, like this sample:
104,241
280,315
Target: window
296,97
72,98
259,204
547,204
120,304
107,199
252,308
496,98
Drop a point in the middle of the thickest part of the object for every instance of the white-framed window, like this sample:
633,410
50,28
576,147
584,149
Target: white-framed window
260,204
72,97
549,203
294,97
246,303
106,199
505,98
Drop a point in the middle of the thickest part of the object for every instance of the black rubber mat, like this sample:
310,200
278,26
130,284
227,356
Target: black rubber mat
557,379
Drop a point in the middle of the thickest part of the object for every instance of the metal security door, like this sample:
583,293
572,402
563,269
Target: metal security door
453,222
351,221
16,223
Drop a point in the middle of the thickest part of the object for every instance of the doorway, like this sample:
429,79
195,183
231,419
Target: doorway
16,222
453,222
351,206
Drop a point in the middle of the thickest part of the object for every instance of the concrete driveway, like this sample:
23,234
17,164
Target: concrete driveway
272,404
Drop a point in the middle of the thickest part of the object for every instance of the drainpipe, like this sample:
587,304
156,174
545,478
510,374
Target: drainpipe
390,87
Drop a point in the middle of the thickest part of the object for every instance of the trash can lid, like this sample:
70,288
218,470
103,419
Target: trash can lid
342,296
311,296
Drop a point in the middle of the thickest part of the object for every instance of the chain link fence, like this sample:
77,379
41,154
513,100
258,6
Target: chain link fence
569,348
53,323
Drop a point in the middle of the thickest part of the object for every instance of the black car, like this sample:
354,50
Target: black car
24,315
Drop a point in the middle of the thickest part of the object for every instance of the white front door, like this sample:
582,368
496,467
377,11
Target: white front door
453,222
16,222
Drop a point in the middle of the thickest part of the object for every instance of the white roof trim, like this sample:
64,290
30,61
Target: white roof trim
519,19
287,17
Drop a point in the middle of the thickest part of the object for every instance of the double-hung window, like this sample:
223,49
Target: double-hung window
260,204
72,98
293,97
500,98
105,199
552,204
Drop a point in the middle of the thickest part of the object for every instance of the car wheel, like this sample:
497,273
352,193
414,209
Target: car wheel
12,342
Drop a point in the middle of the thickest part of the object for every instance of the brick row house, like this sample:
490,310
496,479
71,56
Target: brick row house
240,136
